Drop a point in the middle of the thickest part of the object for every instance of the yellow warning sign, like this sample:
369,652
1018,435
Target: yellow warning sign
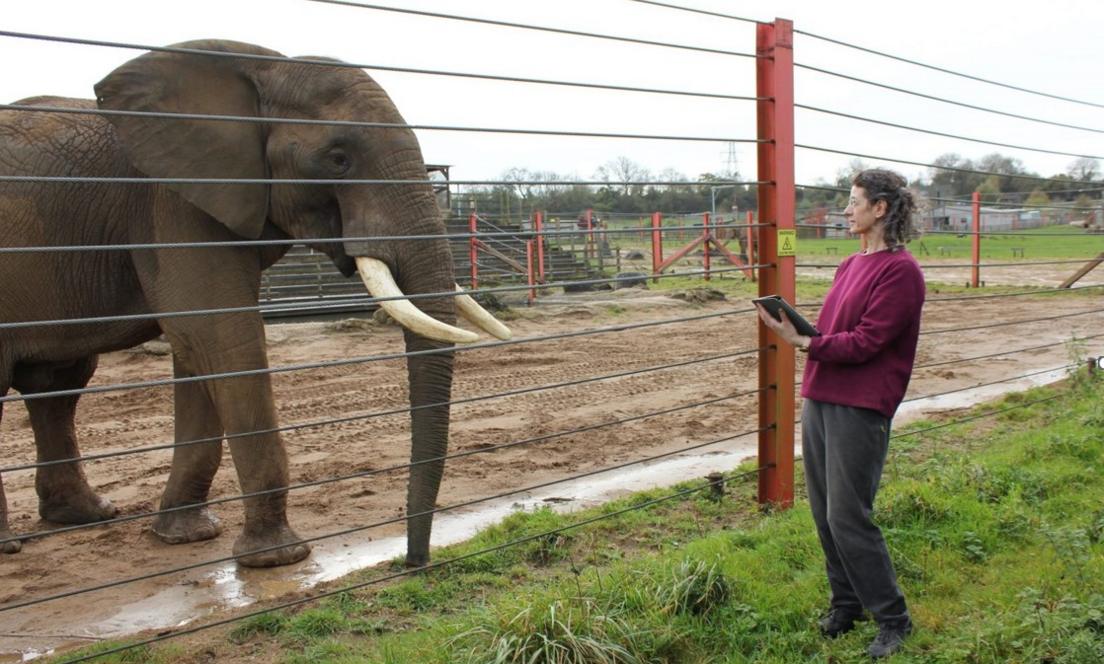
787,242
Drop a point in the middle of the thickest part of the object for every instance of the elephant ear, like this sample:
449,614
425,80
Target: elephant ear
168,82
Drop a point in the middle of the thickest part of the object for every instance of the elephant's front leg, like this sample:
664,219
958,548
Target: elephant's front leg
193,466
247,416
63,492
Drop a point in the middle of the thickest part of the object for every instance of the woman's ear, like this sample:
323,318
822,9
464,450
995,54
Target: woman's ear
169,82
881,208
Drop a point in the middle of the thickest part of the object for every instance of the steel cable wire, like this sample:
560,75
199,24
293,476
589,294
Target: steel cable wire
990,383
963,298
360,360
44,534
537,28
367,301
431,566
945,100
976,417
1009,323
336,63
350,181
397,411
945,266
375,125
372,238
945,71
923,164
694,10
928,365
306,540
933,132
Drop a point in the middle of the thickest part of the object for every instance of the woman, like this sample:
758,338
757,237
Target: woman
855,378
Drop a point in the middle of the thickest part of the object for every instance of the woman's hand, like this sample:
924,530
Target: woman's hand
783,328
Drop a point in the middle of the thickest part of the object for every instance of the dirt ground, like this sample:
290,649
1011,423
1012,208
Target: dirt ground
138,418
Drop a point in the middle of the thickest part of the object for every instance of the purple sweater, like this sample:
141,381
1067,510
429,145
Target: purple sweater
870,323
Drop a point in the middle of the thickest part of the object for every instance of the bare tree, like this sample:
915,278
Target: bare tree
1084,169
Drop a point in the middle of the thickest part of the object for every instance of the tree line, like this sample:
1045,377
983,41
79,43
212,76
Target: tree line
999,179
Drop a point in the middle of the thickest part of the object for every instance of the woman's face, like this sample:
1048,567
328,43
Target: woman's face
860,214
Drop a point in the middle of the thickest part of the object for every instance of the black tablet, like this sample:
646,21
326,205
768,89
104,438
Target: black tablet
774,303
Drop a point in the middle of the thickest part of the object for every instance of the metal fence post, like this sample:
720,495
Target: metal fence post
774,83
530,277
751,245
657,245
975,249
538,222
473,252
705,245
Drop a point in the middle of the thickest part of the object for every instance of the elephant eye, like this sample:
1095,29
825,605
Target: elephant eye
338,160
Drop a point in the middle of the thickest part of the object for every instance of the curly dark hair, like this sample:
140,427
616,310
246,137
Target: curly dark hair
882,184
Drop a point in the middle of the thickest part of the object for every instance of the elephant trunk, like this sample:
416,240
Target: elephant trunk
428,270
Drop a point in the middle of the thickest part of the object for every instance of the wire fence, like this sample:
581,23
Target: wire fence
512,258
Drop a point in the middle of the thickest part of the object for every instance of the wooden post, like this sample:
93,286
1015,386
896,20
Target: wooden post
774,88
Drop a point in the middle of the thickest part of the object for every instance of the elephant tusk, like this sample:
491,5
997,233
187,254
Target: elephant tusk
378,280
475,314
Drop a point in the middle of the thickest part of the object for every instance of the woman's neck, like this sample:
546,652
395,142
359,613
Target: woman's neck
875,240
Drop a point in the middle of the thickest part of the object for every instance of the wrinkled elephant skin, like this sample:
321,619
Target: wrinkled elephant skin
67,285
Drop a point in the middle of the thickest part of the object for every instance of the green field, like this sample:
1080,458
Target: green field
996,528
1048,242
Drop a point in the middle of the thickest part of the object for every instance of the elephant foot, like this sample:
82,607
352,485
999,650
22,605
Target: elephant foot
14,546
291,549
183,526
416,562
82,507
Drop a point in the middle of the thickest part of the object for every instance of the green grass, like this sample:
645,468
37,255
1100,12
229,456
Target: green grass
1048,242
996,528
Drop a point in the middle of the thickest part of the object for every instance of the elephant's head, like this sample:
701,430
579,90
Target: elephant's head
271,87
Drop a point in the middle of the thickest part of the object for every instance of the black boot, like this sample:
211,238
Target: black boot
839,621
891,636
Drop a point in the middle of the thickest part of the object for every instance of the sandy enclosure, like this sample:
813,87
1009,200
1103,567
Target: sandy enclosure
137,418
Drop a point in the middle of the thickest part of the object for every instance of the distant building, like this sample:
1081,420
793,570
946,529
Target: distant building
958,218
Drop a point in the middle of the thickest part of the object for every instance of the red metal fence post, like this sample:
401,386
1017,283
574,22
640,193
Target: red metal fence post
590,248
473,252
657,245
774,83
751,244
705,245
538,222
975,269
530,277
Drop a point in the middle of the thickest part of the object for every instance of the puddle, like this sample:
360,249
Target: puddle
204,592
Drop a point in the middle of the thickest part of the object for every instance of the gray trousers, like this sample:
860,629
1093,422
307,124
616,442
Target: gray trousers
844,450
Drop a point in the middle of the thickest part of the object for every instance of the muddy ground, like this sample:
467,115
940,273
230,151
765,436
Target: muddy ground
143,417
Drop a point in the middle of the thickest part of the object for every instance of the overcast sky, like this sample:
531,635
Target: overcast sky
1056,47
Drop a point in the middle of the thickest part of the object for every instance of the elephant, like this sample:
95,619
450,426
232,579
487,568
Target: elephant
130,137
